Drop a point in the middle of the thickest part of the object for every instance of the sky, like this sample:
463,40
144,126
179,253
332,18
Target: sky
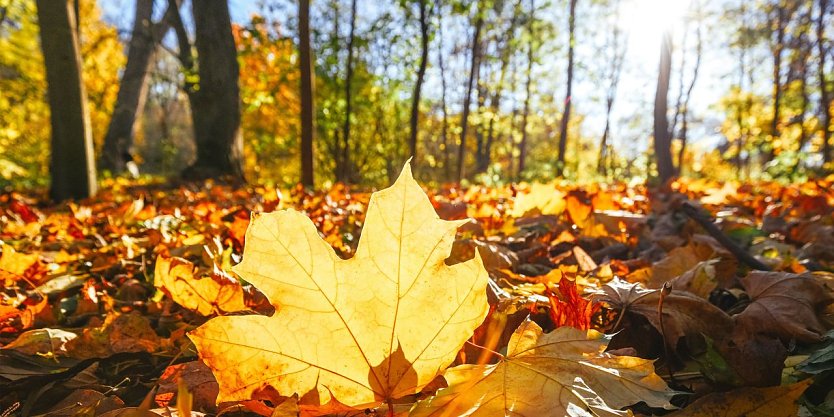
643,20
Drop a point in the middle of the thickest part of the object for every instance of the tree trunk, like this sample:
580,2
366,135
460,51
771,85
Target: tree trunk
133,87
563,128
305,62
825,93
495,100
776,51
662,141
473,71
215,106
522,146
421,72
444,134
72,166
699,46
344,175
615,68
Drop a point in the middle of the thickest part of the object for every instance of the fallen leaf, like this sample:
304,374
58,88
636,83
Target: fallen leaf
683,313
44,342
743,402
217,293
561,373
356,332
540,199
784,305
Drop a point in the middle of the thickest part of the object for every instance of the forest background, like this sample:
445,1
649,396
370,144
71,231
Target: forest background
487,90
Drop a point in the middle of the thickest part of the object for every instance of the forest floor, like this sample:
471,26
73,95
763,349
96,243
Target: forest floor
729,287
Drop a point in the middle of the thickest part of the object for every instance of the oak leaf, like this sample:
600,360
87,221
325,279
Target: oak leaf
562,373
349,333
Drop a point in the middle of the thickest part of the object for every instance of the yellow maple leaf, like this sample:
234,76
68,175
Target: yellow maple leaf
356,332
206,295
562,373
540,199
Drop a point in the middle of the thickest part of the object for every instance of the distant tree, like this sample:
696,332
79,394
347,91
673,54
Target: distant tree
213,90
72,166
662,139
306,65
133,87
685,93
563,127
826,96
344,167
425,11
615,55
474,63
532,39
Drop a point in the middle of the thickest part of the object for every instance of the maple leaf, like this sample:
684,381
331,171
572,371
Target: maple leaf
683,313
356,332
785,305
765,402
561,373
207,295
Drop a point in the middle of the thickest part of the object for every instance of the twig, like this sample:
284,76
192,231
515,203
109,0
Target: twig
706,222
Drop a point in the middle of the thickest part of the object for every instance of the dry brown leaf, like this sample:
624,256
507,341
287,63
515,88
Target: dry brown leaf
217,293
348,333
561,373
683,313
744,402
784,305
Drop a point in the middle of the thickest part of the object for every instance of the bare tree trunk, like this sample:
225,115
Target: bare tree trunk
825,93
662,141
699,46
344,175
495,100
71,165
421,72
215,105
305,62
133,87
473,71
522,146
563,128
776,51
615,68
444,134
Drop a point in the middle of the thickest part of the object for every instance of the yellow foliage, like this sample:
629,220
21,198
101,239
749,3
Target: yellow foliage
358,332
24,111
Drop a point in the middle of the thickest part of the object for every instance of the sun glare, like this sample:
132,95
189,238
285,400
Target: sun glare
646,20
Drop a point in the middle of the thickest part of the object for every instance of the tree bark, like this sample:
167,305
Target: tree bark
495,101
825,93
662,140
344,174
776,51
615,68
215,105
522,146
563,128
473,71
133,87
307,105
72,166
418,85
444,134
699,46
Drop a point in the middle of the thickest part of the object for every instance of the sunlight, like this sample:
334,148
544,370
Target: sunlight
645,20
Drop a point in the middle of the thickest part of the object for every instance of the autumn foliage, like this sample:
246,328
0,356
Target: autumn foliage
541,300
